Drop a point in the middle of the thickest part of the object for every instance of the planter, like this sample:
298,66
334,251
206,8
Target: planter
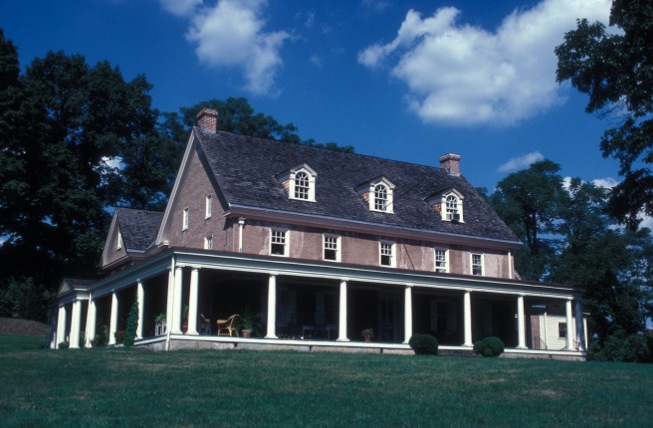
245,333
367,338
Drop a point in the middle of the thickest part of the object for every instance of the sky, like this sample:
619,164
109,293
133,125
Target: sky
402,80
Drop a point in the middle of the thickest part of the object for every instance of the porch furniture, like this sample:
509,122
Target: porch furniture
205,325
227,325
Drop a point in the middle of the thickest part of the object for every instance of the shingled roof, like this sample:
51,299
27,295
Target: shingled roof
138,228
247,170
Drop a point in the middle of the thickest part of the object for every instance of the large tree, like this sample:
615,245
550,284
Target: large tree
238,116
614,66
74,140
529,202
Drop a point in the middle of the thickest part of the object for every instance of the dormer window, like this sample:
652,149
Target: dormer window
378,194
452,206
300,183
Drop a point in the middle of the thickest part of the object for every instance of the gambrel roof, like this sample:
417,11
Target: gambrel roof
246,171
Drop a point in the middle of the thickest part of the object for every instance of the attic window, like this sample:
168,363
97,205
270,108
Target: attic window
300,183
378,194
119,242
452,206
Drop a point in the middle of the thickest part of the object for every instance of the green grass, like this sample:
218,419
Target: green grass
121,387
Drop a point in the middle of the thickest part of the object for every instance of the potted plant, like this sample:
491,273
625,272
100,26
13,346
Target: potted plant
160,324
247,323
368,334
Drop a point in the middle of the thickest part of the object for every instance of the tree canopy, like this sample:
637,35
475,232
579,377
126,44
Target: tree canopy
614,67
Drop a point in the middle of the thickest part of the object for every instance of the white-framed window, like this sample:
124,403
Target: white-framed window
562,330
278,242
386,254
441,260
477,264
452,206
331,248
208,242
119,241
184,222
300,183
381,201
209,208
302,186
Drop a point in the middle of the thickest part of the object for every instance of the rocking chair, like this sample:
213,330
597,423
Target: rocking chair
227,325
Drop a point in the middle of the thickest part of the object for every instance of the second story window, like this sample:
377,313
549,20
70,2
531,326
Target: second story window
184,220
477,264
331,248
278,243
302,185
208,242
441,260
452,206
386,256
207,211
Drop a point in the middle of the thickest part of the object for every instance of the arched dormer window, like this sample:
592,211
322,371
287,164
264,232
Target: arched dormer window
378,194
452,206
449,205
300,183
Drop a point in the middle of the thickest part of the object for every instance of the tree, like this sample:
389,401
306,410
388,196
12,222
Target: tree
238,116
529,202
75,140
615,68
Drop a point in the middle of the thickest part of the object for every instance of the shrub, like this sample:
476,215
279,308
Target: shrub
490,346
63,345
424,344
132,325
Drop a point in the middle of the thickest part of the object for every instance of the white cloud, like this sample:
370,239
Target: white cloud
231,33
607,182
180,7
461,74
521,162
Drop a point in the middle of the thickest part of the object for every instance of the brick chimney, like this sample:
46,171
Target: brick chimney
451,163
207,120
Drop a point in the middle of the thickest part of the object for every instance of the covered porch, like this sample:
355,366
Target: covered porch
314,305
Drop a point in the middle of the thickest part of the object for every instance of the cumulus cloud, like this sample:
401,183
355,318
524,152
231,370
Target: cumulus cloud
460,74
521,162
230,33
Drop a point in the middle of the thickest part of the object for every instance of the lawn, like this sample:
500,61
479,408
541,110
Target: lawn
136,387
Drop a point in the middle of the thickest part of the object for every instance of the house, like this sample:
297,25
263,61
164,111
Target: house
317,246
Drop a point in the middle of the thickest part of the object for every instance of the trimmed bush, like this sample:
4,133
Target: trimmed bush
491,346
132,325
424,344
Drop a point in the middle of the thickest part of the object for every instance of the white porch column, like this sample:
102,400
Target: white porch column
171,293
61,326
192,301
521,324
113,324
140,299
176,302
570,333
408,313
272,307
91,315
75,324
342,313
467,309
580,325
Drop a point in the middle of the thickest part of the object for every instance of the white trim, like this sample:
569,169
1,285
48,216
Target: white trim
291,177
338,248
185,218
472,265
446,259
392,253
208,210
275,234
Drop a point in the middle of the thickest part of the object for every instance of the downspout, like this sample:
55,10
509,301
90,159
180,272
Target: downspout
241,225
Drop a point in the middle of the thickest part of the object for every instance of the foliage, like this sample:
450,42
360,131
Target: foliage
423,344
614,67
22,298
297,389
132,325
529,202
367,332
624,348
238,116
63,345
490,346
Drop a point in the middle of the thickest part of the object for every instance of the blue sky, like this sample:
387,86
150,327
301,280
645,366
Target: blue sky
404,80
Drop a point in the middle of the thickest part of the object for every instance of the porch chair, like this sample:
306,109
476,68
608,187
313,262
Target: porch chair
205,325
227,325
